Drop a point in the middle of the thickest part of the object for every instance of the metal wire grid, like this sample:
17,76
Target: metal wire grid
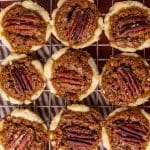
47,105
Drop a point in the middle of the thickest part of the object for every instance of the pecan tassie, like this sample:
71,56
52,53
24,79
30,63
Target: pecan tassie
125,79
128,130
23,28
76,21
21,80
21,134
77,130
130,27
71,74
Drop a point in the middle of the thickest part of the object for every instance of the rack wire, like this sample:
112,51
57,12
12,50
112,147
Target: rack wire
47,105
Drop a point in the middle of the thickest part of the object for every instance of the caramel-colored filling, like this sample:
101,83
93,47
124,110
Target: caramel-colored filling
76,21
23,28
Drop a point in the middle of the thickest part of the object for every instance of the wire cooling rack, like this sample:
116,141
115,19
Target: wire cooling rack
47,105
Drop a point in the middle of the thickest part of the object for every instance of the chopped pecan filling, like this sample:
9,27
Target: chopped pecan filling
21,80
125,79
130,27
78,130
76,21
20,134
72,75
128,130
25,27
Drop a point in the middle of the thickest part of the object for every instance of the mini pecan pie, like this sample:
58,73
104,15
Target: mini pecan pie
23,130
71,74
127,129
21,79
76,128
24,26
76,23
127,26
125,80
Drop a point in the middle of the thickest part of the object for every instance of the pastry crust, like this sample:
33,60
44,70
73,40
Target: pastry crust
48,73
105,137
28,4
94,39
56,119
24,114
113,10
38,66
140,100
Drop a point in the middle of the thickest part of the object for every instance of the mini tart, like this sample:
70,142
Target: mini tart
21,79
76,128
125,80
76,23
127,129
24,26
127,26
21,130
71,75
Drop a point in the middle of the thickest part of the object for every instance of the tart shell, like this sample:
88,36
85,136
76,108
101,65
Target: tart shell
24,114
105,137
32,6
38,66
95,38
48,73
140,100
113,10
57,118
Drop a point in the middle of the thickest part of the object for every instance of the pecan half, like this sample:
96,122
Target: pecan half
79,137
131,133
22,79
79,24
132,25
22,139
69,79
128,82
23,25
